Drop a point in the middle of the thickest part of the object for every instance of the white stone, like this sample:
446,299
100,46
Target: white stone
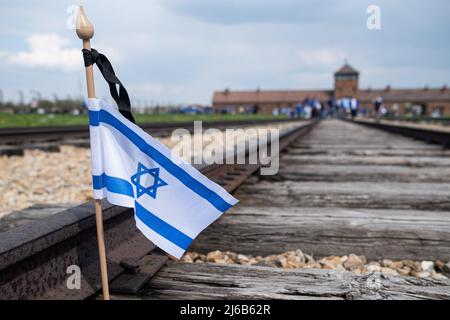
427,265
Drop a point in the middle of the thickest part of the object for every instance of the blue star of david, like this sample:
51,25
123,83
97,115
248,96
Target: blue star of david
150,190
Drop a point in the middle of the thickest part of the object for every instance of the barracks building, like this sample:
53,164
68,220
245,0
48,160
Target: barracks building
420,101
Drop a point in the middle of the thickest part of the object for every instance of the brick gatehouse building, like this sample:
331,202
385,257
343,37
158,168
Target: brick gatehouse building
418,101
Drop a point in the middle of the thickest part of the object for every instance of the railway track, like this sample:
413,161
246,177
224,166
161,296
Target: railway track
24,135
342,188
34,257
13,141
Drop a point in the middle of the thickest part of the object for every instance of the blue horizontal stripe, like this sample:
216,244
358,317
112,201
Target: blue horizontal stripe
185,178
162,228
113,184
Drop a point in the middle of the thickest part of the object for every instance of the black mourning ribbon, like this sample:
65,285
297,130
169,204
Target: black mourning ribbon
122,99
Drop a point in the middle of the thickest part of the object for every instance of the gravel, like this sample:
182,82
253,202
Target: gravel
41,177
352,262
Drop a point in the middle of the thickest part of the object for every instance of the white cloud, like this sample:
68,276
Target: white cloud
157,90
183,50
48,50
3,55
149,89
321,57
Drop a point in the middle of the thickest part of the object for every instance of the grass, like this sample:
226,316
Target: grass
34,120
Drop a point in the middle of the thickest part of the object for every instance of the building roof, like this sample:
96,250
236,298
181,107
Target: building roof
269,96
406,95
346,69
295,96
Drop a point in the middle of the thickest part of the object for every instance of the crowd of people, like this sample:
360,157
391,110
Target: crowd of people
346,106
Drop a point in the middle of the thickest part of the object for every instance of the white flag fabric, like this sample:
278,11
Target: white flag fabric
173,202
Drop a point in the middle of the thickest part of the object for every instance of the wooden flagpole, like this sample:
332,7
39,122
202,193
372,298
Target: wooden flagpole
85,31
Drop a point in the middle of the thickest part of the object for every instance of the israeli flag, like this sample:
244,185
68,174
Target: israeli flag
173,202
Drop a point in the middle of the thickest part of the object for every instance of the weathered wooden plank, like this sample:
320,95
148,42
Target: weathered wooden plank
392,195
353,146
334,135
377,234
369,153
347,172
215,281
393,160
343,138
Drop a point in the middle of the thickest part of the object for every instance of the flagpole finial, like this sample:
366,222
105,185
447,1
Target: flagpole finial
85,29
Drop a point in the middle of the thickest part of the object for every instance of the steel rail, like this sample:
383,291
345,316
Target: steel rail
427,119
21,135
34,258
428,135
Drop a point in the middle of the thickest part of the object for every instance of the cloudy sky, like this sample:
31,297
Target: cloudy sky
180,51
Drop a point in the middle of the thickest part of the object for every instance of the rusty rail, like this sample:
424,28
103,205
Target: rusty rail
428,135
57,133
